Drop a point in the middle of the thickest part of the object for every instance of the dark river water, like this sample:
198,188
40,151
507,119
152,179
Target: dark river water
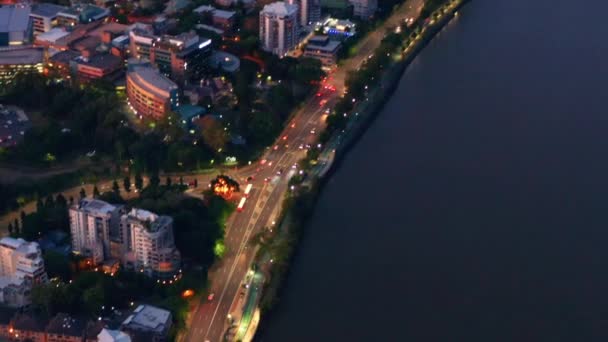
476,206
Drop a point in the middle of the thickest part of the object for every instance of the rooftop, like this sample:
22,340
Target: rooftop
188,112
151,80
52,35
150,318
28,322
64,324
322,43
102,61
14,18
64,57
280,8
47,10
95,206
107,335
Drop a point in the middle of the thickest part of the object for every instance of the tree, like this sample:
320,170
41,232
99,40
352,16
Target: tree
49,202
93,298
181,180
71,200
126,183
115,187
61,202
83,193
39,204
16,226
95,191
10,229
195,183
168,181
22,214
154,180
213,133
139,181
57,265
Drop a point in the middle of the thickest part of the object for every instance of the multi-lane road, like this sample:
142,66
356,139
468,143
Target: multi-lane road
210,319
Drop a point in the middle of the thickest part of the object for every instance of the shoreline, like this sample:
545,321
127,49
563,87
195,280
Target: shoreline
295,229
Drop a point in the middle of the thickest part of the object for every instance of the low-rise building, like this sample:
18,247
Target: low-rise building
81,14
150,93
16,60
65,328
364,8
102,66
150,320
338,29
151,245
6,314
108,335
323,49
44,17
26,327
219,18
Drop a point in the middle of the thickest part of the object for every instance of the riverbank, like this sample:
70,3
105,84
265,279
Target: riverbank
298,208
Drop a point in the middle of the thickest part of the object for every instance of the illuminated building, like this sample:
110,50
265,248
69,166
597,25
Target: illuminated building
19,59
15,25
91,223
150,93
44,17
279,31
151,246
84,14
323,49
182,57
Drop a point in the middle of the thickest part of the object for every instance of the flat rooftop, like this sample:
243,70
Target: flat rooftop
280,8
47,10
21,55
151,80
14,18
150,318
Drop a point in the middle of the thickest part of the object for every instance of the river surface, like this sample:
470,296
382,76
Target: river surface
476,206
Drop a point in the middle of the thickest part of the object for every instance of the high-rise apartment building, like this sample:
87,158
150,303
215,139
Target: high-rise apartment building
309,11
91,223
151,244
21,266
364,8
279,30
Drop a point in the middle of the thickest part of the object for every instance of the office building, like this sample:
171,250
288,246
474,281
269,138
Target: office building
182,57
150,93
279,31
101,66
19,60
151,244
81,14
15,24
44,17
364,8
21,266
148,320
91,223
309,11
323,49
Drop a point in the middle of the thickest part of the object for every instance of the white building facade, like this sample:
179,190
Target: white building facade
151,245
21,266
91,223
279,27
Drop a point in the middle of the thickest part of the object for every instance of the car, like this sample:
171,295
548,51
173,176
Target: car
266,180
284,137
319,94
301,147
293,125
249,179
276,147
313,131
263,161
322,103
294,166
280,172
210,296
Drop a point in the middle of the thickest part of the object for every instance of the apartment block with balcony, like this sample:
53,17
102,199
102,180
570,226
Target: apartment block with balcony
91,223
21,267
279,28
151,244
